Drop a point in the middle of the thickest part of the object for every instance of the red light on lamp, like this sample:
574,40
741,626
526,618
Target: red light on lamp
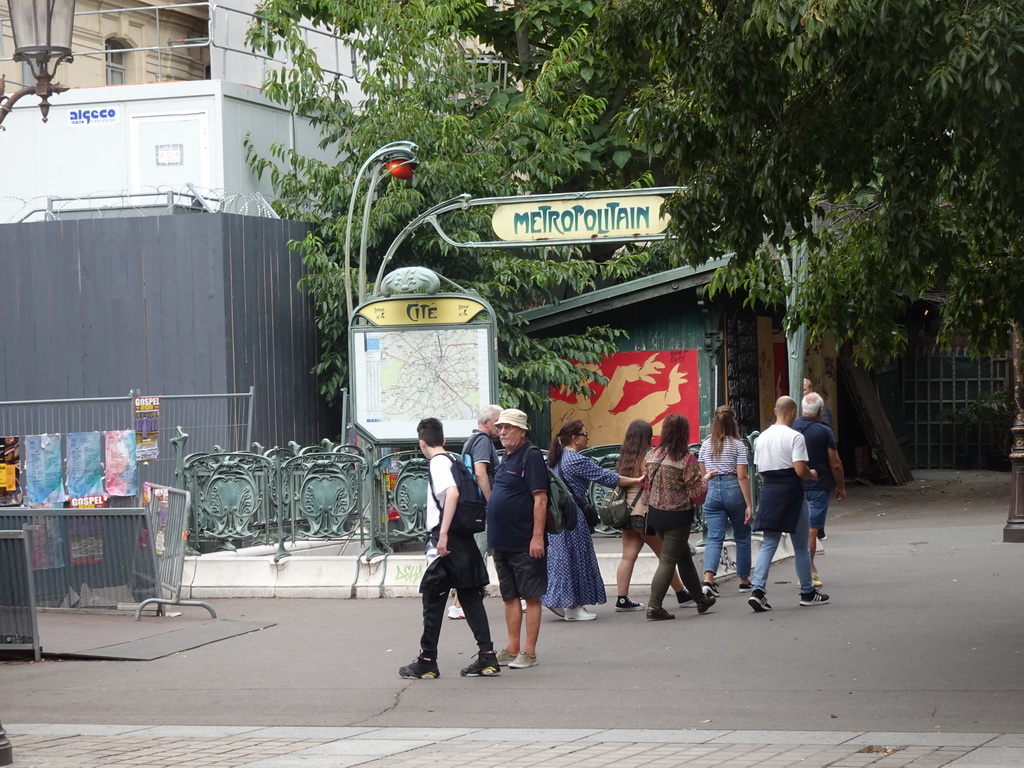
400,169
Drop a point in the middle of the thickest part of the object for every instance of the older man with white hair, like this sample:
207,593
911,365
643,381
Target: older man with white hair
823,457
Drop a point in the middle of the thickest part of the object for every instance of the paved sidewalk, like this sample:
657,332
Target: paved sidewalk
96,746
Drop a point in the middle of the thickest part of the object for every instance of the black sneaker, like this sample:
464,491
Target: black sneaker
813,598
423,669
703,605
821,534
484,665
626,604
710,590
746,587
684,597
758,601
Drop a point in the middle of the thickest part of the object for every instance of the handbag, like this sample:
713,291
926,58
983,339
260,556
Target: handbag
613,510
590,514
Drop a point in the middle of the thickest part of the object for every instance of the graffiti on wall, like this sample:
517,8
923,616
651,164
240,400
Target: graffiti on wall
641,385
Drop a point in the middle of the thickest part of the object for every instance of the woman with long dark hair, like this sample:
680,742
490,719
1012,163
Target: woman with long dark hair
635,534
723,462
574,577
673,482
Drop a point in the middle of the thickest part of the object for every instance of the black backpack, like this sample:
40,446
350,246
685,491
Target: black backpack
471,510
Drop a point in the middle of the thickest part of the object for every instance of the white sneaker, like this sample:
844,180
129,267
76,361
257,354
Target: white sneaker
522,603
455,612
579,613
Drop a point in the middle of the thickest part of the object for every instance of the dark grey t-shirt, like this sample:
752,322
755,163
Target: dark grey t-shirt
480,447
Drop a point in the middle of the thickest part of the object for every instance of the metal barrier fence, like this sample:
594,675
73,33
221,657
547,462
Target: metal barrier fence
168,514
18,628
223,420
85,559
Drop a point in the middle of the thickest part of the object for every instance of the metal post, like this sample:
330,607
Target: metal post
6,750
1013,531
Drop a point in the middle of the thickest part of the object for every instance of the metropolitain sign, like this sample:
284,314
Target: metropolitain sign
632,216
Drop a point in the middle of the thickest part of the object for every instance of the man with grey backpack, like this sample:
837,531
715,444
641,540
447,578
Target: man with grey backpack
481,458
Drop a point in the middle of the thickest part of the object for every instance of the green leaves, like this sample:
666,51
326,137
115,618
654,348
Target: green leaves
542,120
883,137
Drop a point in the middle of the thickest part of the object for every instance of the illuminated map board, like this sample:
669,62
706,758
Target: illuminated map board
430,356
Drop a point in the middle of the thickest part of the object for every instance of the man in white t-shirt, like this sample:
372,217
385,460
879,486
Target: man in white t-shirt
453,562
780,454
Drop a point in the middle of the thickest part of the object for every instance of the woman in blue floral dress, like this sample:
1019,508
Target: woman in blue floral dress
574,578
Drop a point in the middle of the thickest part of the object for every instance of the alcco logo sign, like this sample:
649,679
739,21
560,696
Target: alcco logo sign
104,115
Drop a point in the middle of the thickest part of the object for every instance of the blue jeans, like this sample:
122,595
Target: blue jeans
802,555
725,503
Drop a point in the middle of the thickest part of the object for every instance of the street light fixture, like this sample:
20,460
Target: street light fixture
397,159
42,39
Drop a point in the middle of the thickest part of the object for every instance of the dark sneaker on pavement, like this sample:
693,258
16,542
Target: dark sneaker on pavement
703,605
659,614
746,587
710,590
758,601
626,604
484,665
821,534
685,598
813,598
423,669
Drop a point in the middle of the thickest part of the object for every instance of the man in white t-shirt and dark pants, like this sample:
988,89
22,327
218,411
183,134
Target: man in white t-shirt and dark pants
453,562
780,454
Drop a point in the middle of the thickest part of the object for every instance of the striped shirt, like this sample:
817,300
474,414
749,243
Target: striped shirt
733,452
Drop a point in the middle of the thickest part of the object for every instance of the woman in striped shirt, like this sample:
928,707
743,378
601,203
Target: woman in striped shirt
723,462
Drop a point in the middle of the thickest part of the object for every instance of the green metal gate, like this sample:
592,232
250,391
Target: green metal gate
938,386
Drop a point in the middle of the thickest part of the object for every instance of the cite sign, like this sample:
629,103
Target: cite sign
422,310
581,219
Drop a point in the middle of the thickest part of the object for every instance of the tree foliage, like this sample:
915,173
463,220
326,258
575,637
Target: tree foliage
884,137
549,124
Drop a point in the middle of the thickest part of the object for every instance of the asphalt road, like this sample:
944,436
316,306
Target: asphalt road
924,633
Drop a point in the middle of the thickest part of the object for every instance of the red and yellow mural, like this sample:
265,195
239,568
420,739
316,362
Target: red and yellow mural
641,385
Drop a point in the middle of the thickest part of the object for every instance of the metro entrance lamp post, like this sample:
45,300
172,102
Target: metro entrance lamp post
42,38
397,159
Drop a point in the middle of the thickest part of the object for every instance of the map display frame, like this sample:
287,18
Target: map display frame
431,356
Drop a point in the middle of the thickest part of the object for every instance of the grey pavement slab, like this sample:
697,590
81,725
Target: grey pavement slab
991,757
925,739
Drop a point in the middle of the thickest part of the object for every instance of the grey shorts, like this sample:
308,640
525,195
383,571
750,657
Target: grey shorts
519,575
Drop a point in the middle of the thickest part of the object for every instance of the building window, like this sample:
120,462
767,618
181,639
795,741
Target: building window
115,63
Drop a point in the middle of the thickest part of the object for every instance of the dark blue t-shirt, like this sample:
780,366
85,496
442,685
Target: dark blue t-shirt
510,509
819,439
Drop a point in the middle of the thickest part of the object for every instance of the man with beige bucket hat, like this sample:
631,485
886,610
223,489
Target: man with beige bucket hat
516,513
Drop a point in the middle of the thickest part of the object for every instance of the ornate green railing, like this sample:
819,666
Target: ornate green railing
326,492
